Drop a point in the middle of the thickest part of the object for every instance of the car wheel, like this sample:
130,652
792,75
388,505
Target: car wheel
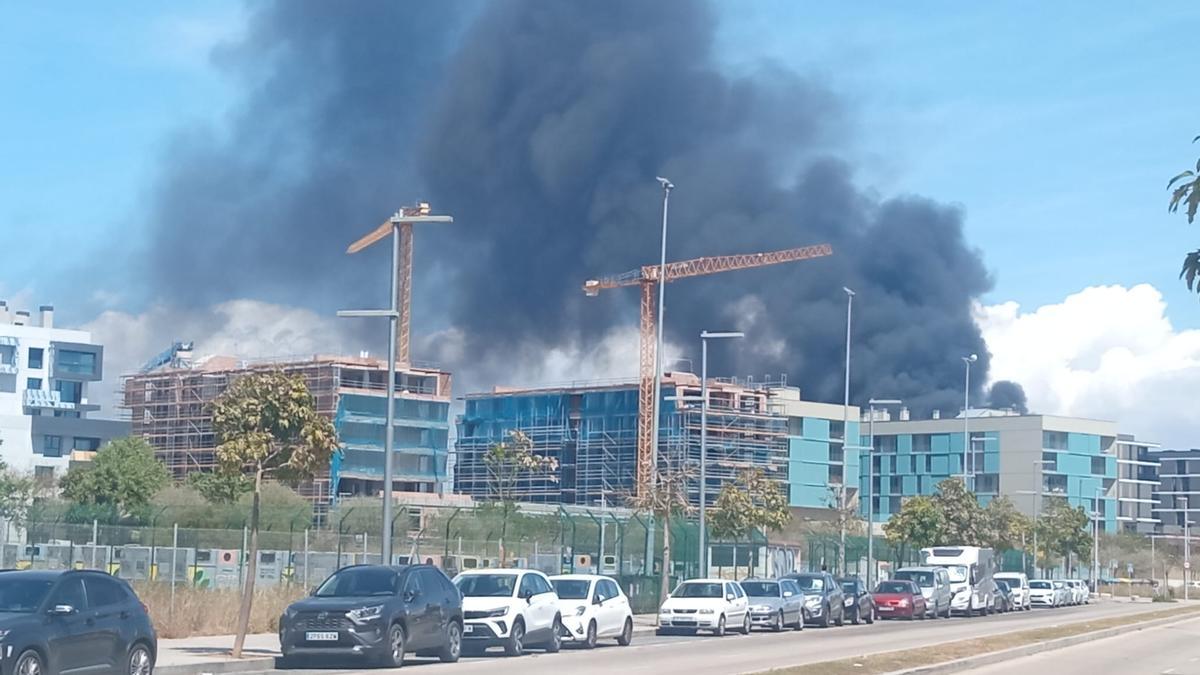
626,636
800,620
824,622
745,624
396,644
871,615
589,642
515,644
141,662
453,647
778,625
857,617
555,642
29,663
719,631
841,620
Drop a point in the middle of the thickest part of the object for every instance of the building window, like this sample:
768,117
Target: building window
34,383
987,482
68,391
86,444
74,362
44,475
52,446
885,444
1049,461
1055,484
1054,440
922,442
1098,466
835,474
36,354
67,413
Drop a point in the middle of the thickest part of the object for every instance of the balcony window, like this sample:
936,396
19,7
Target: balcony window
1054,440
36,356
68,391
1098,466
1050,461
75,362
86,444
34,383
52,446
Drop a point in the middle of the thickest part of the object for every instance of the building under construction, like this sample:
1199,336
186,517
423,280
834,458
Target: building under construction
170,405
591,430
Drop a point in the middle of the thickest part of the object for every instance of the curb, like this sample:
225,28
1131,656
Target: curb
1001,656
219,667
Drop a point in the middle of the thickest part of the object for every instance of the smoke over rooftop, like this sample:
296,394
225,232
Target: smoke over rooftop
541,126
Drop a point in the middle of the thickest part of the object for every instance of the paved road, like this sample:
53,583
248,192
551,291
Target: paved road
705,655
1166,650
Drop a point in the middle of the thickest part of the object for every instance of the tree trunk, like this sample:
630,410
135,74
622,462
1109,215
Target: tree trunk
665,585
251,571
503,534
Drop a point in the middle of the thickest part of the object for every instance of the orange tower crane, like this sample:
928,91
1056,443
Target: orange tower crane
647,278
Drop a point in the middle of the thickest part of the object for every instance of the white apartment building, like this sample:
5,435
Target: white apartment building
45,373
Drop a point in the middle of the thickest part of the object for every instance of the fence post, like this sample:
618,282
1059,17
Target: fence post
306,559
95,540
174,554
242,554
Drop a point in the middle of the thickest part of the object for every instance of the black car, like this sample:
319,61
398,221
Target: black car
859,603
823,598
1004,596
73,621
378,613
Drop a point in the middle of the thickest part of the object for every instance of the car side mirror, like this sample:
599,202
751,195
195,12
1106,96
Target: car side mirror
730,597
410,595
312,591
788,594
62,610
527,594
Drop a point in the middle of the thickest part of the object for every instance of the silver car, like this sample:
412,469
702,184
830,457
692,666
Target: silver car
775,603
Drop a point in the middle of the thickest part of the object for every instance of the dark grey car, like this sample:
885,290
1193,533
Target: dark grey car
775,603
377,613
823,598
64,622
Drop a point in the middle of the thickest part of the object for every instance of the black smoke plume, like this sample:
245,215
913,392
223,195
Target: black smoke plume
541,127
1005,394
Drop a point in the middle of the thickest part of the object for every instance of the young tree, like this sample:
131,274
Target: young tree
918,524
16,497
753,501
1063,530
122,478
508,462
1005,525
268,427
963,517
1185,191
666,496
846,519
731,516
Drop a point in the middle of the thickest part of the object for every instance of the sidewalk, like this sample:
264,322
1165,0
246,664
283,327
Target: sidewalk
210,654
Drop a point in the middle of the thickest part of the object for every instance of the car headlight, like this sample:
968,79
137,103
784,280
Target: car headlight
580,610
665,610
760,608
495,613
849,602
812,601
364,614
902,603
705,611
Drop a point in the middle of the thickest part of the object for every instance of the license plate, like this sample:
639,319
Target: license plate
886,609
468,628
313,636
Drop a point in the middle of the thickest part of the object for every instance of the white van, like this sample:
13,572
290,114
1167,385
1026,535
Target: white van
1019,583
970,569
934,583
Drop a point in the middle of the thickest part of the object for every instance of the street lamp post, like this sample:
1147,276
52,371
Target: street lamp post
702,540
667,186
845,437
1096,516
1187,546
967,475
871,486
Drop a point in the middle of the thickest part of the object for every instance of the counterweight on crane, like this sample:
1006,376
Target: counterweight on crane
647,278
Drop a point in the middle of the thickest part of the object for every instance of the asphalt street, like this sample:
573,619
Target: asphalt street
1173,649
706,655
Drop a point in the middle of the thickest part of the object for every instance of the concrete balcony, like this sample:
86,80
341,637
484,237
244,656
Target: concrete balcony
41,399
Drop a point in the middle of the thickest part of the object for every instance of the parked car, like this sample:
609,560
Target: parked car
705,604
1003,601
1066,597
593,608
934,583
901,598
823,597
377,612
509,608
1043,594
1079,590
73,621
775,603
859,604
1019,584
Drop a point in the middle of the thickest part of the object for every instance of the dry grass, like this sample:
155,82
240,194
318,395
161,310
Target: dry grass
213,612
889,662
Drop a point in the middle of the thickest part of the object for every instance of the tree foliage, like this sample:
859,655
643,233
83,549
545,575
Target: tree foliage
16,496
1185,192
122,478
953,516
962,515
753,501
1063,529
268,427
665,496
918,524
508,463
219,487
1006,527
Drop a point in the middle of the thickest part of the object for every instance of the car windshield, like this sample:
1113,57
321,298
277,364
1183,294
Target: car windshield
1059,584
1002,585
893,587
848,587
924,579
761,589
810,583
486,585
571,589
358,582
698,590
1039,584
19,594
958,573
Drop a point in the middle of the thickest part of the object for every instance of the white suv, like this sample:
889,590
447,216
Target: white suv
593,607
1019,583
706,604
508,608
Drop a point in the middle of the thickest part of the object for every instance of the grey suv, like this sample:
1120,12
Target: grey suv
73,621
823,597
378,613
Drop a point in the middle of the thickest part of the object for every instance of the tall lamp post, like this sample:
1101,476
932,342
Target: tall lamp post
1187,545
967,475
702,540
1096,518
667,186
845,437
871,486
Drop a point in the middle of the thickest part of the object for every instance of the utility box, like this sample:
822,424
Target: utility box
133,562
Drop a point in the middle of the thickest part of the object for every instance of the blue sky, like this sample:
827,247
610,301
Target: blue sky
1054,127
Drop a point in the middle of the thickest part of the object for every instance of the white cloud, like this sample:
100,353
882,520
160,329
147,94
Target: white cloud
1106,352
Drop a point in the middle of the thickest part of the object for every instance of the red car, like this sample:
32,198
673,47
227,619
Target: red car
899,598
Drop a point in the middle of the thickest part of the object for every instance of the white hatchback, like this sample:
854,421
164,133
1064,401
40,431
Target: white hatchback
509,608
706,604
593,607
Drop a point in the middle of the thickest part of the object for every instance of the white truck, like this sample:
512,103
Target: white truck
971,583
